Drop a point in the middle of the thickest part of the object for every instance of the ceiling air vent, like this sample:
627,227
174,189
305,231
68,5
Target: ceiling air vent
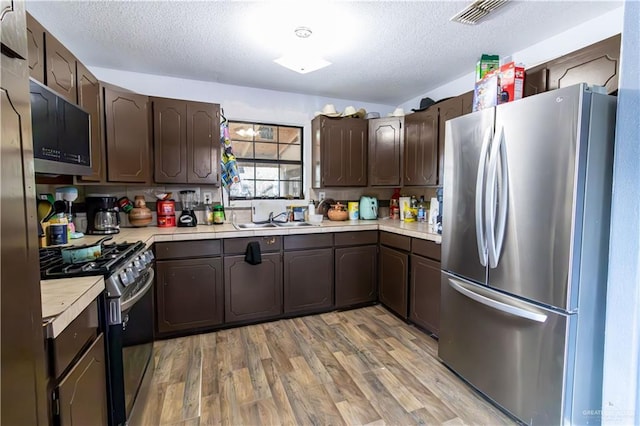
477,10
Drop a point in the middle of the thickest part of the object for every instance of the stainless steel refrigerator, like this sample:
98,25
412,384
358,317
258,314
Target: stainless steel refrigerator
527,188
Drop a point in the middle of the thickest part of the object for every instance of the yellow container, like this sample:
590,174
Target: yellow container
353,209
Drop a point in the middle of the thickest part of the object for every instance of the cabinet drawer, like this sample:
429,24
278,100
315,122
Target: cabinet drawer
182,249
74,338
357,238
397,241
294,242
268,243
425,248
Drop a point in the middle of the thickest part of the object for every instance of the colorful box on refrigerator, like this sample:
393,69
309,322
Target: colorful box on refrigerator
511,82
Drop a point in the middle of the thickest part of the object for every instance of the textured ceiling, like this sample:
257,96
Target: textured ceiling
382,52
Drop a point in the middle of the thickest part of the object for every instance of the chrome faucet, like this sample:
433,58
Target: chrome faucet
272,217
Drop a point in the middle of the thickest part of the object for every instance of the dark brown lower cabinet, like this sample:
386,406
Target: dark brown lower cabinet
252,292
356,275
424,297
308,281
82,393
393,274
189,294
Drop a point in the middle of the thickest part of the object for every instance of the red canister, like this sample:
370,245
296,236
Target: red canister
166,208
166,221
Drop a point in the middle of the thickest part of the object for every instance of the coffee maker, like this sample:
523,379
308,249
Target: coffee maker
102,215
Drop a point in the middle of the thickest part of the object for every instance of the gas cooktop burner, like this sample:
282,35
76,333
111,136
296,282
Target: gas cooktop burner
113,255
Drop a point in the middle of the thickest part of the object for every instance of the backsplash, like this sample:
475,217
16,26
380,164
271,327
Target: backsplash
243,210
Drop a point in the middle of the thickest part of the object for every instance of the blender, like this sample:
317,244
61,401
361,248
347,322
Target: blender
188,217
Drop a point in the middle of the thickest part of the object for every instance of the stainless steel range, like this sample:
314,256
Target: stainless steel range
127,318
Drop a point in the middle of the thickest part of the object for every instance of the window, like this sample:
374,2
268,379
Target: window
269,160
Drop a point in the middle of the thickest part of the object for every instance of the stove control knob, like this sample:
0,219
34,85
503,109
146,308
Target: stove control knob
133,271
138,264
143,260
125,278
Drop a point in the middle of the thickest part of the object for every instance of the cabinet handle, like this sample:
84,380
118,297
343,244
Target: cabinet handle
269,240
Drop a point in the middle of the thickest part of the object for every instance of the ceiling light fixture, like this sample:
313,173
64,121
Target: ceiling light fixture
301,60
477,10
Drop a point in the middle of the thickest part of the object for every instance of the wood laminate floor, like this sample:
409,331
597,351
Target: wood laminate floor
356,367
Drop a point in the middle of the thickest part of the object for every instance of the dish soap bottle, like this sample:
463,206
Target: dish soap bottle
394,204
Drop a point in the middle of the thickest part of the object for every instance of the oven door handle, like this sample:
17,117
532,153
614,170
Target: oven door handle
145,288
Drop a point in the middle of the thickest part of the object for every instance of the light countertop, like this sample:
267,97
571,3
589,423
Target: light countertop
153,234
64,299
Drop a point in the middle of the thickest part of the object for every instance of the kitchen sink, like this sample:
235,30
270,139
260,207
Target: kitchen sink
254,225
291,224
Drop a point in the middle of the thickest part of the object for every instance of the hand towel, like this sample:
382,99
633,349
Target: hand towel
252,255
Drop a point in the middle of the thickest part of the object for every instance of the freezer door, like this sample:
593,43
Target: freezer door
467,142
541,138
510,350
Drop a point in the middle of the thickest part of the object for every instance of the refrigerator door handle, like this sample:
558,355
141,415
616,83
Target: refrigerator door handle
503,307
503,182
480,234
497,179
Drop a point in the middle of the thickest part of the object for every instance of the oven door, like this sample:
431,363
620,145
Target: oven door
130,348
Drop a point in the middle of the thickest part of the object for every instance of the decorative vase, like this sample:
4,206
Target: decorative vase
140,215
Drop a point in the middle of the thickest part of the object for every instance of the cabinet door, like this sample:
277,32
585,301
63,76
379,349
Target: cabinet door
597,64
170,140
90,100
203,143
308,281
385,141
344,151
356,275
421,148
252,292
35,47
61,68
467,102
22,349
83,392
535,80
127,133
424,297
451,108
189,294
393,280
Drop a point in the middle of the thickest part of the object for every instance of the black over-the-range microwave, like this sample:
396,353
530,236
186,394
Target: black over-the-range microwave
61,133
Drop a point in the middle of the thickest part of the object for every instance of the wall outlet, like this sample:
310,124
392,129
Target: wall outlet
207,197
321,194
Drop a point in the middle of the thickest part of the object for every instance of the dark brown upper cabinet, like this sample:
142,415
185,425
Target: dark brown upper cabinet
535,80
451,108
186,137
127,134
420,163
61,68
467,102
385,144
90,100
35,45
339,152
597,64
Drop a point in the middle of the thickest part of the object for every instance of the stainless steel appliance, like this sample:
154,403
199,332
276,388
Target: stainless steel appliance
127,318
61,133
527,189
188,217
368,208
102,214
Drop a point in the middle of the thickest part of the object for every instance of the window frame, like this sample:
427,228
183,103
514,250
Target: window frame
275,162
